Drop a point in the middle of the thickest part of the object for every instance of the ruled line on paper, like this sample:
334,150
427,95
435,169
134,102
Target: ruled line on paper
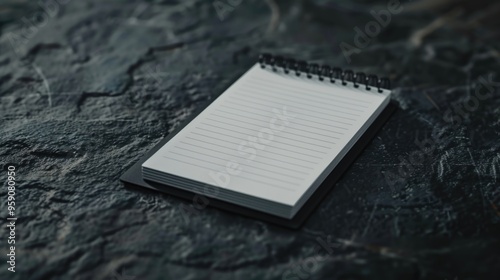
290,175
222,165
267,163
248,117
221,146
249,166
341,133
312,132
294,103
306,94
279,136
294,100
255,92
258,114
244,94
301,159
271,104
273,140
325,93
325,90
279,148
237,103
308,136
239,176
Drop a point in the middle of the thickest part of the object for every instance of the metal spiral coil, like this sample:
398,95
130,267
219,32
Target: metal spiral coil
334,74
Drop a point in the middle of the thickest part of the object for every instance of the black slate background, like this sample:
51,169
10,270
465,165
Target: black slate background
103,81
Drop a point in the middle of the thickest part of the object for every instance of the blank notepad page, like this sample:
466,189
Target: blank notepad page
270,135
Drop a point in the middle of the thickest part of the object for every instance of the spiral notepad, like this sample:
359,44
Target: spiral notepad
272,137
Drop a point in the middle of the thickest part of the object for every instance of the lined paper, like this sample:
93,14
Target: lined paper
271,135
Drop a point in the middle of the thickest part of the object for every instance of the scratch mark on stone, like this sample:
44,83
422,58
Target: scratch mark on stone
396,226
347,189
440,168
275,15
45,83
370,219
139,10
441,165
432,101
348,242
474,164
68,167
479,175
494,164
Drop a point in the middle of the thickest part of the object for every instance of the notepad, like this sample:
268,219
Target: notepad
270,139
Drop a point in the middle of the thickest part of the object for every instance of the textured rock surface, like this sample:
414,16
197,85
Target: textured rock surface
95,87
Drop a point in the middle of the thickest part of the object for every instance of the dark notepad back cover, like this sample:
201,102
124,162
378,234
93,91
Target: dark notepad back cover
133,178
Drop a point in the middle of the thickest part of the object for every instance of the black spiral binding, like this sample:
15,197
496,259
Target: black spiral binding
334,74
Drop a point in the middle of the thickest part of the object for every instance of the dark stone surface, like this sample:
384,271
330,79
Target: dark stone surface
95,87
